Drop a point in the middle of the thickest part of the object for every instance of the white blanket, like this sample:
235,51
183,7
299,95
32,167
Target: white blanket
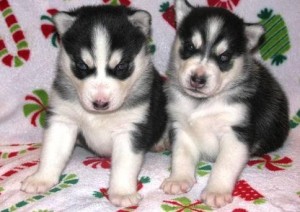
28,48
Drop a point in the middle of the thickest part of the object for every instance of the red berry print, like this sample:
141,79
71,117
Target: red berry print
276,163
48,29
97,162
227,4
246,192
117,2
168,13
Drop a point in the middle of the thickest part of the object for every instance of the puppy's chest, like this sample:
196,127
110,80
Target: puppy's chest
100,131
216,117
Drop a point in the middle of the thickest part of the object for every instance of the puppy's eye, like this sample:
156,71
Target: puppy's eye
122,67
81,66
224,58
189,47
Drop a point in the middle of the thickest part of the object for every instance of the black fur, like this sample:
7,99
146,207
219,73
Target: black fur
64,87
268,124
121,35
151,130
232,31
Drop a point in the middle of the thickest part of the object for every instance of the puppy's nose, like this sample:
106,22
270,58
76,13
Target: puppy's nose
198,81
100,105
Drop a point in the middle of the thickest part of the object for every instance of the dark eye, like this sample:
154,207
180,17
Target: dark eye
122,67
189,47
81,66
224,58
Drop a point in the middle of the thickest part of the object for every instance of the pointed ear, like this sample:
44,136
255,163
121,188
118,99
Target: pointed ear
182,8
142,20
63,21
254,33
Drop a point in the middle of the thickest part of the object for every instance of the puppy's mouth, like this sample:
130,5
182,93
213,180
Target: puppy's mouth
195,90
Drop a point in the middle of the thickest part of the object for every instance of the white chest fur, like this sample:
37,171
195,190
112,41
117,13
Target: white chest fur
100,130
207,122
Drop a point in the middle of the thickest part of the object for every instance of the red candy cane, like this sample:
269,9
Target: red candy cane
23,52
18,169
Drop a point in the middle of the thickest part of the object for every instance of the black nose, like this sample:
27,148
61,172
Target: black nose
99,105
198,81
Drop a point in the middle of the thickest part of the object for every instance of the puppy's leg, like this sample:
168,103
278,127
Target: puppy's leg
126,164
59,141
184,160
230,162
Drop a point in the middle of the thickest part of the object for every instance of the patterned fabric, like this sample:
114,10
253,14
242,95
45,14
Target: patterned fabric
28,48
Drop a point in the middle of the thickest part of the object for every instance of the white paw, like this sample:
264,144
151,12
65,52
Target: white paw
173,185
126,200
38,184
216,199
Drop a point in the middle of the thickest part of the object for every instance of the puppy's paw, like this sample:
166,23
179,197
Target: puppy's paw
216,199
126,200
38,184
177,185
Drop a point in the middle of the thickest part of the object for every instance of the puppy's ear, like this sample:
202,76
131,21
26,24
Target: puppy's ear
254,34
182,8
142,20
63,21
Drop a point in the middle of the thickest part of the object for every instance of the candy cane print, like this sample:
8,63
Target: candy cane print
17,34
17,169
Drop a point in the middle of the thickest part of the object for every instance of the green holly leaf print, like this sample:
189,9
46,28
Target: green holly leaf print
98,194
278,59
37,106
265,14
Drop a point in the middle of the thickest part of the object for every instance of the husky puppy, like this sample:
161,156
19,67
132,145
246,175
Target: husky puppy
106,91
224,105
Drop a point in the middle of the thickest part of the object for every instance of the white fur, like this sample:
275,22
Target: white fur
253,33
221,47
87,58
115,58
182,9
63,22
197,40
213,28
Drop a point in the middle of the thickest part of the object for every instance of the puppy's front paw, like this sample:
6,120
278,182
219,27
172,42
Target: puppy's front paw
38,184
126,200
216,199
177,185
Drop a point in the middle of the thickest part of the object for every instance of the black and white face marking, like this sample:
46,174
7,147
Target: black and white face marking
100,55
209,48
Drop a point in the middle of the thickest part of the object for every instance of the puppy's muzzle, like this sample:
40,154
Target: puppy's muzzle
198,81
100,105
